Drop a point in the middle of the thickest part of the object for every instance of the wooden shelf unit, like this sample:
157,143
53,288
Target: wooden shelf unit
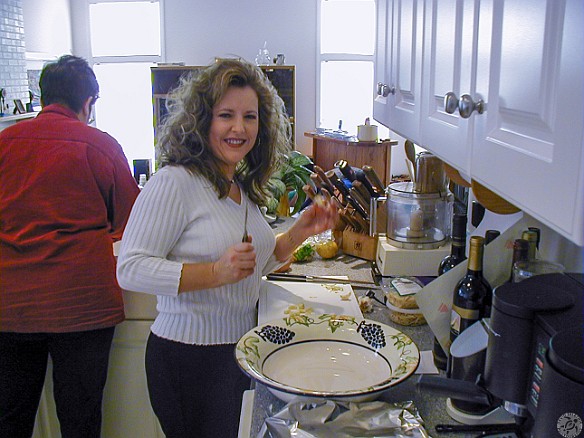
327,151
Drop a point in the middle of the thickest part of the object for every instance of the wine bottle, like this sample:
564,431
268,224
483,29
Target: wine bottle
458,246
532,238
491,235
457,255
473,294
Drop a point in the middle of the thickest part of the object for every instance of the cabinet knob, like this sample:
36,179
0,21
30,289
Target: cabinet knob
384,89
466,106
450,102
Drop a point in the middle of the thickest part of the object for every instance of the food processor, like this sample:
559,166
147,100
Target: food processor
418,221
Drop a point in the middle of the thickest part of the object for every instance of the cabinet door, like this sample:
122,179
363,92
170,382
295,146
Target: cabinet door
382,62
406,60
398,66
449,40
528,143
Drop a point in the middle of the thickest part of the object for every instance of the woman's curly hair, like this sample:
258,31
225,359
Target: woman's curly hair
184,136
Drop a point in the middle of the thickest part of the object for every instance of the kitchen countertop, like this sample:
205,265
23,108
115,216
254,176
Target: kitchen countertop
432,408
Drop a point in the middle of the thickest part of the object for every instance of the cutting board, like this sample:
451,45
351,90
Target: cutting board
281,299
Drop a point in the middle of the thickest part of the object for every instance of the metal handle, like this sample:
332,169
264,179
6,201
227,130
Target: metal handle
384,89
450,102
466,106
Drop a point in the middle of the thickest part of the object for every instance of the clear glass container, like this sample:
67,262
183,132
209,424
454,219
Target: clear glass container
526,269
417,220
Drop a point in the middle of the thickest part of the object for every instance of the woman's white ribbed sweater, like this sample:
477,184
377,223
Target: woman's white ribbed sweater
177,219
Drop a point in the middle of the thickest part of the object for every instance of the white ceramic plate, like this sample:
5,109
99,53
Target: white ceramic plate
326,356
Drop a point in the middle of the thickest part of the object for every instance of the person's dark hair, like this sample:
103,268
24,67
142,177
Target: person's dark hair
68,81
184,136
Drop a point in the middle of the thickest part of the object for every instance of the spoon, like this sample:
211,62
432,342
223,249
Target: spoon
410,152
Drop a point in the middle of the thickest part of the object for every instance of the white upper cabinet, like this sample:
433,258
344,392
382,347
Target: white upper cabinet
398,64
513,72
448,70
528,143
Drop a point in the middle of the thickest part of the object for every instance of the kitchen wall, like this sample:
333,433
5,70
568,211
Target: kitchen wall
12,53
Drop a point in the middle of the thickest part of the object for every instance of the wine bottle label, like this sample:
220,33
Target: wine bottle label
470,314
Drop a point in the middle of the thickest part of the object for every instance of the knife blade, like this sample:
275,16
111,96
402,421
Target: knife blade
317,279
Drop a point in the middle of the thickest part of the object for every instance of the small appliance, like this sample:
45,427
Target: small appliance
418,222
534,365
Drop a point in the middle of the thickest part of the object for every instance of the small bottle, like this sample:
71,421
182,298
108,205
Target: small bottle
473,294
491,235
457,255
142,180
538,232
532,238
520,257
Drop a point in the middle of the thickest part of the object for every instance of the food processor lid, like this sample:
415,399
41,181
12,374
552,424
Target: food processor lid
531,296
566,353
407,190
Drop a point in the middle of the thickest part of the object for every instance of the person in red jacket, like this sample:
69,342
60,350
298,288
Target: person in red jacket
66,192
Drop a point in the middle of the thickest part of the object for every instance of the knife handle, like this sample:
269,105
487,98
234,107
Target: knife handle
362,179
346,170
325,179
336,181
374,179
363,191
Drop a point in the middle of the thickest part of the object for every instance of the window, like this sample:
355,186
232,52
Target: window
345,63
122,51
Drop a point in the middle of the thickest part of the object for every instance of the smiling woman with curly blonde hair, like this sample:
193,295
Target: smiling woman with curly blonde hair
183,139
197,239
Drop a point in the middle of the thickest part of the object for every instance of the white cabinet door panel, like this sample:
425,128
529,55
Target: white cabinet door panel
528,144
448,66
406,52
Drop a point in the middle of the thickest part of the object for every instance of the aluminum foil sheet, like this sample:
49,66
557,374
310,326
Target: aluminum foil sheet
330,419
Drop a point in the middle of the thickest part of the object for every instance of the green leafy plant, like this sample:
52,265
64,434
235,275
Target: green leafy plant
291,176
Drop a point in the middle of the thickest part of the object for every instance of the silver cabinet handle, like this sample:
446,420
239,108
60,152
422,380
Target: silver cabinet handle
384,89
450,102
466,106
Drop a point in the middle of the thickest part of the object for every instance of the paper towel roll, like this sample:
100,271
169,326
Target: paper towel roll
367,132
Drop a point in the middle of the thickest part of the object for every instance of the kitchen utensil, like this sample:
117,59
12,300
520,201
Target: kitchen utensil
323,356
429,174
410,149
455,176
374,180
316,279
245,236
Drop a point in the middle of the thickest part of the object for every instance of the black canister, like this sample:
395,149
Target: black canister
511,338
560,407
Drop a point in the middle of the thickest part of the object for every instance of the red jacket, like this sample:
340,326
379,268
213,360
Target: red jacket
65,195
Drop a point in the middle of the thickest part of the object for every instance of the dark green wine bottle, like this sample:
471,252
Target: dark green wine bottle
472,295
457,255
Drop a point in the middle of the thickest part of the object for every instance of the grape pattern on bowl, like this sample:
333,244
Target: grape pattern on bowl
372,334
275,334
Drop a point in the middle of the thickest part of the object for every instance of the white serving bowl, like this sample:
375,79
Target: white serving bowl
327,356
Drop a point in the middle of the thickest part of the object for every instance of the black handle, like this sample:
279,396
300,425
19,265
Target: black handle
458,389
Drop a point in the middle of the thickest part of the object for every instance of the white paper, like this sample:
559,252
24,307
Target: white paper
435,299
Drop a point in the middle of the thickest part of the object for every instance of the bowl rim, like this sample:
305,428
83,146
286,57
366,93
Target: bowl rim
392,380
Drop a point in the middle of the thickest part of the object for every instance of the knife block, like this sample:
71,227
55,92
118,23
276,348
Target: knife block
359,245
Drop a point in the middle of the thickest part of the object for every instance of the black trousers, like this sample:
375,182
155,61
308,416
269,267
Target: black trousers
195,391
80,363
